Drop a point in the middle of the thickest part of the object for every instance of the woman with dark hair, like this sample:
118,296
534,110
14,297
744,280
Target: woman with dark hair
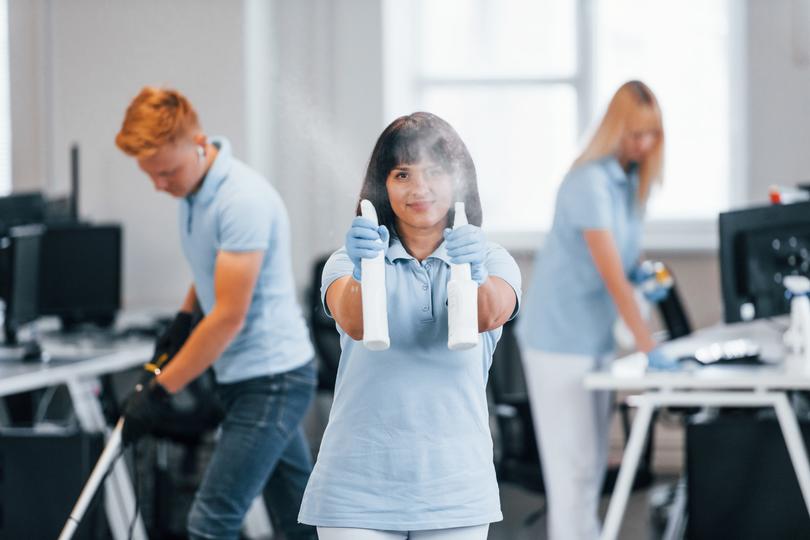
407,452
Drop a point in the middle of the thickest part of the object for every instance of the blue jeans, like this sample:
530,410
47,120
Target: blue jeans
261,442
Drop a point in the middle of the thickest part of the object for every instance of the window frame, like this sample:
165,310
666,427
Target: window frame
405,85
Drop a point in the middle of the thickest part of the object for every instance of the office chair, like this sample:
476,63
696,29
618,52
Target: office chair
517,458
325,337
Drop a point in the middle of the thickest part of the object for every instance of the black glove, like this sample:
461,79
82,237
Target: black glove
172,339
143,410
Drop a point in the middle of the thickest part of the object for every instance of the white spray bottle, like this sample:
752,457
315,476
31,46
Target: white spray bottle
462,299
372,287
797,337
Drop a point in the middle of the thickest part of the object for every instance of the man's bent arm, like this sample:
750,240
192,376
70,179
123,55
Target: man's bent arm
235,276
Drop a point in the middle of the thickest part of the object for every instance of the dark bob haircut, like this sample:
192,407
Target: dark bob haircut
411,139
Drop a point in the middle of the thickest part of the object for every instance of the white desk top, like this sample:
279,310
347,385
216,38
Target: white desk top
629,372
71,357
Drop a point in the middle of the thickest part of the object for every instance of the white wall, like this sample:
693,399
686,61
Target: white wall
103,53
779,93
28,40
97,56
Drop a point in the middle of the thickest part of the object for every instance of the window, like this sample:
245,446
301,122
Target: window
481,65
681,49
522,81
5,109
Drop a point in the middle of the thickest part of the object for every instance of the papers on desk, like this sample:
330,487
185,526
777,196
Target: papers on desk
735,351
733,340
633,365
741,351
629,372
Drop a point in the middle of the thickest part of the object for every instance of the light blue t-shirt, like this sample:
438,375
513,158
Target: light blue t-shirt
408,445
236,209
567,307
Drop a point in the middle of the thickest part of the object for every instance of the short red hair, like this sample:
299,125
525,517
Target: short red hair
155,118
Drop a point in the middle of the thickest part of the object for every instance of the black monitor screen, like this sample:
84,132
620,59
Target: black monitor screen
21,209
758,248
20,284
81,272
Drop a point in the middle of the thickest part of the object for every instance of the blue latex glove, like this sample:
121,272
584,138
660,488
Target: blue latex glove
655,294
467,244
642,277
640,273
657,360
363,241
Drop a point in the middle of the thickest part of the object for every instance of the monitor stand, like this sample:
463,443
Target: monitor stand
30,350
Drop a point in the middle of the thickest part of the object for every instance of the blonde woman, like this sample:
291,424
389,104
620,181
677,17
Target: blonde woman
582,281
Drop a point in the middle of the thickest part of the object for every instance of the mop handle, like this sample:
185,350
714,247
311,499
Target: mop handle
103,464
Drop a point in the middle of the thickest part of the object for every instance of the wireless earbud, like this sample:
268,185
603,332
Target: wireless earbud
200,153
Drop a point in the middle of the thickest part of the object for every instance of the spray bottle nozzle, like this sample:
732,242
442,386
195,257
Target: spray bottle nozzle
461,215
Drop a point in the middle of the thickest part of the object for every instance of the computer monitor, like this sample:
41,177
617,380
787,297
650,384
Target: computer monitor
21,209
59,211
758,248
80,279
19,286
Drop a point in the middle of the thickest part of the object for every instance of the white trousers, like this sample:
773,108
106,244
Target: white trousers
572,426
478,532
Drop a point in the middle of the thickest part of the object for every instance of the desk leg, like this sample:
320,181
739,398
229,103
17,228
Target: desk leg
794,443
120,497
627,470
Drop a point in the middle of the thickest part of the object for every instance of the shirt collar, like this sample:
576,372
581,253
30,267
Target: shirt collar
397,251
217,173
441,253
617,174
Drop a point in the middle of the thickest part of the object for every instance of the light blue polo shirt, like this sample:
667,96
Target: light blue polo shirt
567,307
236,209
408,445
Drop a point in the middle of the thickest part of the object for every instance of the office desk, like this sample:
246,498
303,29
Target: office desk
78,367
715,386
